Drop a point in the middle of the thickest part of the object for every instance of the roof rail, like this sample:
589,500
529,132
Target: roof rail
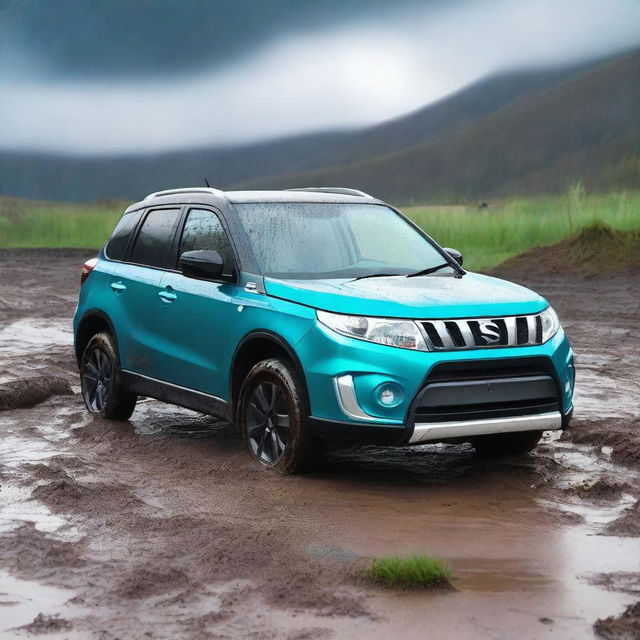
171,192
341,190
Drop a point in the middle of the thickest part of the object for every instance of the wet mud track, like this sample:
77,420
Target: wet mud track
163,527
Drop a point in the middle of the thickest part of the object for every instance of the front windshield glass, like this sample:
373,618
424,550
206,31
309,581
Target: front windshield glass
302,240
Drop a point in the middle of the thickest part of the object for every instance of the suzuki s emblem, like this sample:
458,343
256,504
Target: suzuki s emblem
489,331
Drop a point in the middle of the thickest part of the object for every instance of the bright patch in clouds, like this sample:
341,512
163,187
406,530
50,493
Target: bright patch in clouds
354,75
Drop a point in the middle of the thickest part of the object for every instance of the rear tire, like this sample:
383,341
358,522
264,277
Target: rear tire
102,389
273,418
504,444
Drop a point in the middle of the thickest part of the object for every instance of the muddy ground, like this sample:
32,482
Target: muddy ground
163,527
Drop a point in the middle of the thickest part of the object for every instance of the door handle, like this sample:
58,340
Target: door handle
167,295
118,287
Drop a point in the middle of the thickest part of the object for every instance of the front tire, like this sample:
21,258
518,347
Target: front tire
102,389
272,413
504,444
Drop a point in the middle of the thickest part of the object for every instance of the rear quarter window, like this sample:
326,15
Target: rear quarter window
117,245
152,244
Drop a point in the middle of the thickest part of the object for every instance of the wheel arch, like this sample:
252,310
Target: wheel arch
93,321
255,346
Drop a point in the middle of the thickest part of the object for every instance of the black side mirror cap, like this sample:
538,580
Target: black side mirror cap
455,254
204,265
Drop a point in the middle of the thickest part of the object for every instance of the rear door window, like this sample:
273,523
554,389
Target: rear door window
117,245
154,239
204,231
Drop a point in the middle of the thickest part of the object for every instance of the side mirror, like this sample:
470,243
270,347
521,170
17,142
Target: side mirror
205,265
455,254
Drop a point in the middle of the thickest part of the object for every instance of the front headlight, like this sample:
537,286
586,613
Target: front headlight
395,333
550,323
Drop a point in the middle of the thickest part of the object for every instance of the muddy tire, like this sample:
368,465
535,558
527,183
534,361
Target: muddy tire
273,418
504,444
102,389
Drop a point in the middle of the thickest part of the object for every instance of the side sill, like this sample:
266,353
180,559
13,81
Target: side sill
175,394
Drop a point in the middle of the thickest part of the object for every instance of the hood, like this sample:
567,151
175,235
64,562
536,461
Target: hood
432,296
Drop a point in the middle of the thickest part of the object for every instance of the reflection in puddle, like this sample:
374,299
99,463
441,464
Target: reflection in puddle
34,335
17,507
20,600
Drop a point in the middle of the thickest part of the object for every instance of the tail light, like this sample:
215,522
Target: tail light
87,268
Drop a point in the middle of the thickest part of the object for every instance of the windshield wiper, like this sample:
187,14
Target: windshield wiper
425,272
375,275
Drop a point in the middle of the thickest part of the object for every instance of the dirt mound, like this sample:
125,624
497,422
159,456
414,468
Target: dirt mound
621,434
602,489
623,627
596,249
66,494
28,392
628,524
47,624
621,581
144,582
57,468
33,553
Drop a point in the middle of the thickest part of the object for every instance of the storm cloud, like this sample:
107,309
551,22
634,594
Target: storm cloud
115,77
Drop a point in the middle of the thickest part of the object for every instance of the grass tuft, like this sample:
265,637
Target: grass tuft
417,570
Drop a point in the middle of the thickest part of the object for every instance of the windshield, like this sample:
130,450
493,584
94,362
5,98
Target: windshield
302,240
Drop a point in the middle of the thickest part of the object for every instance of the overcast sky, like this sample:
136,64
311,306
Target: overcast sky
102,76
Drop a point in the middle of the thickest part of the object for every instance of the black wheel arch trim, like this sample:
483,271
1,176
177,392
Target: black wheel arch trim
95,313
257,334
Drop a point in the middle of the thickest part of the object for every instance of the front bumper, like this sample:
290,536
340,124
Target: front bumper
345,375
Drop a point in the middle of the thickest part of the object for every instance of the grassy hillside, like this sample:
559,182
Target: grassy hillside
486,237
588,128
72,178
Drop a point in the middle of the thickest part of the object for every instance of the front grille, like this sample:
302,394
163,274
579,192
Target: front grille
512,331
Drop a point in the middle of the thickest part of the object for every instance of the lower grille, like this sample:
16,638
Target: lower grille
491,389
511,331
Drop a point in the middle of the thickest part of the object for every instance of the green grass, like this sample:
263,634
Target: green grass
417,570
488,237
26,224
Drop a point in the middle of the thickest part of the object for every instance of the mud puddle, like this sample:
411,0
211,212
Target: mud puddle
164,527
19,599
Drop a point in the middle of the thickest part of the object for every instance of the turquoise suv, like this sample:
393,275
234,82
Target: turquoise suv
311,315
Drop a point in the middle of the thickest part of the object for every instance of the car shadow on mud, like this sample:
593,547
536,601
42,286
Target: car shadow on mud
436,464
439,464
218,442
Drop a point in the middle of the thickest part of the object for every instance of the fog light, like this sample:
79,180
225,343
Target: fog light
389,394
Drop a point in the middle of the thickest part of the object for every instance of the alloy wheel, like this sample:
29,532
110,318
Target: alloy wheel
268,422
97,380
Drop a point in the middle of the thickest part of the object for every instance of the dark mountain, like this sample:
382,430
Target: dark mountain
379,157
462,107
73,178
586,128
